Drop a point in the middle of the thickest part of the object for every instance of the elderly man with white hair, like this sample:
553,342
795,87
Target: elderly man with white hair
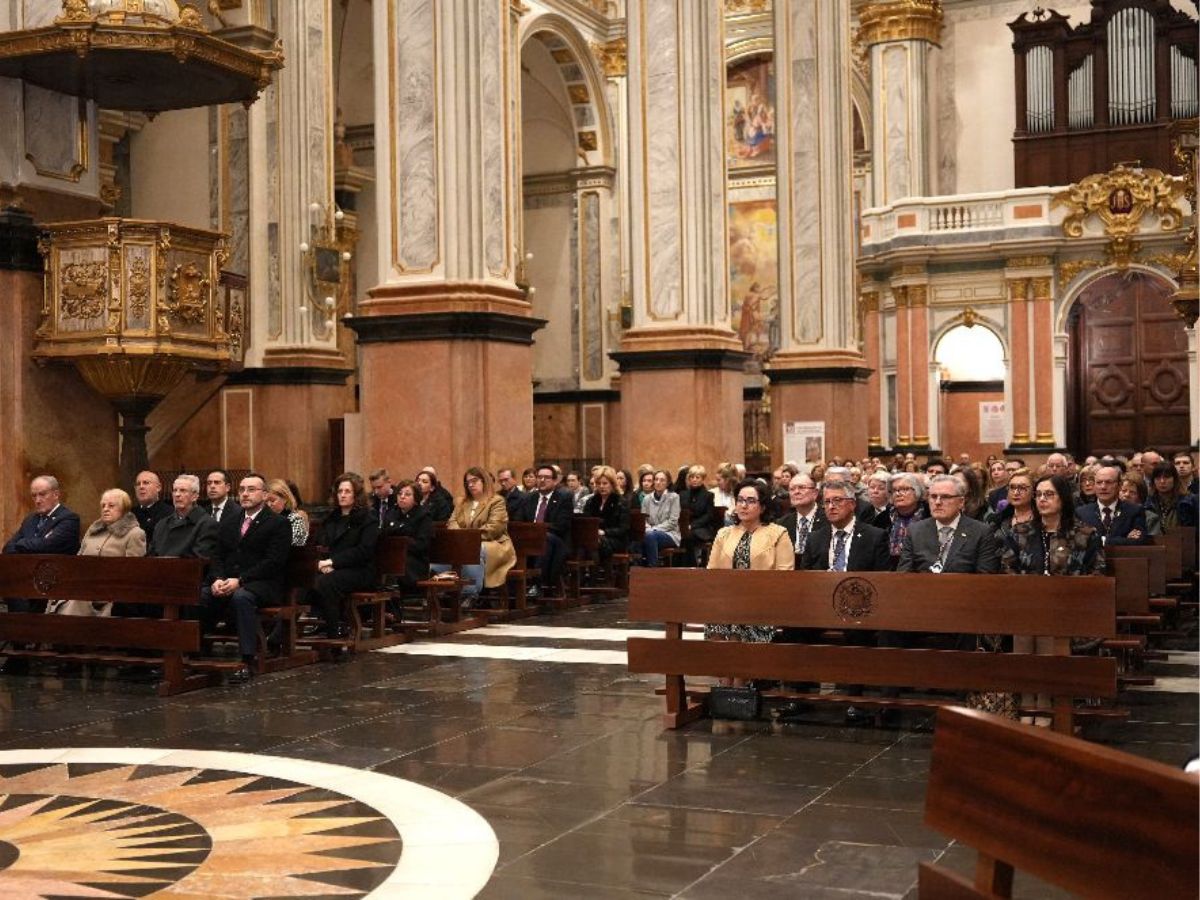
188,530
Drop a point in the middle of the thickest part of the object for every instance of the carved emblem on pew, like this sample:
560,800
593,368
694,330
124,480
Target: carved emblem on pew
45,577
853,599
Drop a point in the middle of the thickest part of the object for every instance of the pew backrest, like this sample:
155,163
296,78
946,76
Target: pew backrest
165,581
1091,820
1156,557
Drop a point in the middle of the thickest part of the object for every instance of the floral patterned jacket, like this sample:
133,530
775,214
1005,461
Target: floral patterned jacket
1028,550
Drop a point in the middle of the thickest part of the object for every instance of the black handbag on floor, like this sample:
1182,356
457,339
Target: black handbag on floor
740,703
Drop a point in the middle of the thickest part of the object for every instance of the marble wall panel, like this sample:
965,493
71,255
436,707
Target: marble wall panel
805,175
236,196
492,112
661,136
897,160
11,97
52,133
414,134
590,280
274,298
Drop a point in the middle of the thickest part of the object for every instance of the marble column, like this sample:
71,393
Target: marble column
1043,362
900,35
904,392
681,363
1018,362
873,353
274,193
919,357
819,372
445,335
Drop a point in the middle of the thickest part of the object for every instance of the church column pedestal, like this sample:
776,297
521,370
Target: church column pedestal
829,387
446,374
681,398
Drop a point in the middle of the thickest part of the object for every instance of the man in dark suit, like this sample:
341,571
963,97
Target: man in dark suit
150,508
948,541
844,544
217,487
248,571
188,531
553,505
806,514
50,528
383,496
510,490
1118,521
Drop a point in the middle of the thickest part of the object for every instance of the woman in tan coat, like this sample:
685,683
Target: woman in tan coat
482,508
115,533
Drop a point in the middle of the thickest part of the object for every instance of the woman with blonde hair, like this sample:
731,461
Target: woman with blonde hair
607,505
282,502
115,533
481,507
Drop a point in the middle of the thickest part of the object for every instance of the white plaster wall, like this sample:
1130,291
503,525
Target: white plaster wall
356,70
169,168
548,128
548,231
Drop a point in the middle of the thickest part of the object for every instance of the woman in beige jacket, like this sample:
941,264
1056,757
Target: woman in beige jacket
482,508
750,544
115,533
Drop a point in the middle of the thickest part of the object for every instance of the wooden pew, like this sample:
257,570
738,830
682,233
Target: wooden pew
671,554
529,542
441,612
585,552
1132,575
172,584
279,626
1088,819
1058,606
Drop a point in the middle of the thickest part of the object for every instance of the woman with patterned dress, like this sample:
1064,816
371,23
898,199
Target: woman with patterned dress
1056,544
750,544
282,502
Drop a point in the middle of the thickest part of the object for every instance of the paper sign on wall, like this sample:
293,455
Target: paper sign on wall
992,428
804,443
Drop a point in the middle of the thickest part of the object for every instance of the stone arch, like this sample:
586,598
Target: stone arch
1077,286
985,322
584,82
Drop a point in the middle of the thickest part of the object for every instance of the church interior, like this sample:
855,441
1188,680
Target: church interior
310,237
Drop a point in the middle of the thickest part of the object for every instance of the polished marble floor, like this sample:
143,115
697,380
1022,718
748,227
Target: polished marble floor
539,730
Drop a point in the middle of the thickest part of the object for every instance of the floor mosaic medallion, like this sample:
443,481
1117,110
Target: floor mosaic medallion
200,825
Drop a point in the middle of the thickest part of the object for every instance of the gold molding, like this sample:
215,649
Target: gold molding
918,295
900,20
1028,262
747,7
1120,198
1041,288
613,57
869,301
1071,269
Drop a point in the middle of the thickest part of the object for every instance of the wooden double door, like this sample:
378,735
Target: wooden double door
1127,374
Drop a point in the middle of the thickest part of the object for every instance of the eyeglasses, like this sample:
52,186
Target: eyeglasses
1019,488
903,490
837,501
1046,495
746,501
943,498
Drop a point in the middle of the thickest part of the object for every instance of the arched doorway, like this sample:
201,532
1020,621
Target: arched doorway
568,238
1127,368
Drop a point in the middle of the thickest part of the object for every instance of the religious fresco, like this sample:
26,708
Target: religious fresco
750,117
754,278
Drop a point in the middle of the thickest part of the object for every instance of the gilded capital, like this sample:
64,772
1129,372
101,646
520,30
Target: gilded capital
900,20
612,57
918,295
1041,288
1018,289
869,301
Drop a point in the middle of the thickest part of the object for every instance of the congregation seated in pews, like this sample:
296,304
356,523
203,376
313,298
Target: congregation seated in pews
392,561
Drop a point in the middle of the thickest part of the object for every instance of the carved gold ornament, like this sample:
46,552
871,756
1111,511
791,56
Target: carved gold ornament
900,20
188,295
84,291
139,286
612,57
1121,198
746,7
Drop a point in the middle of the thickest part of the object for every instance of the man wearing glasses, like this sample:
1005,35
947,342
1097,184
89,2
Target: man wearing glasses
1117,520
806,515
948,541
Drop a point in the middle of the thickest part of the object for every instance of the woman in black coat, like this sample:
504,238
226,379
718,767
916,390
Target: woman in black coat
607,505
435,498
409,519
697,499
349,536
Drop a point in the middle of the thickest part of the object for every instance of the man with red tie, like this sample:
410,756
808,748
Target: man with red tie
553,505
248,570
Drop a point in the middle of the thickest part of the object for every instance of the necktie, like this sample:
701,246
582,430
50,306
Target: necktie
1107,519
246,525
801,534
540,515
839,552
945,535
216,513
